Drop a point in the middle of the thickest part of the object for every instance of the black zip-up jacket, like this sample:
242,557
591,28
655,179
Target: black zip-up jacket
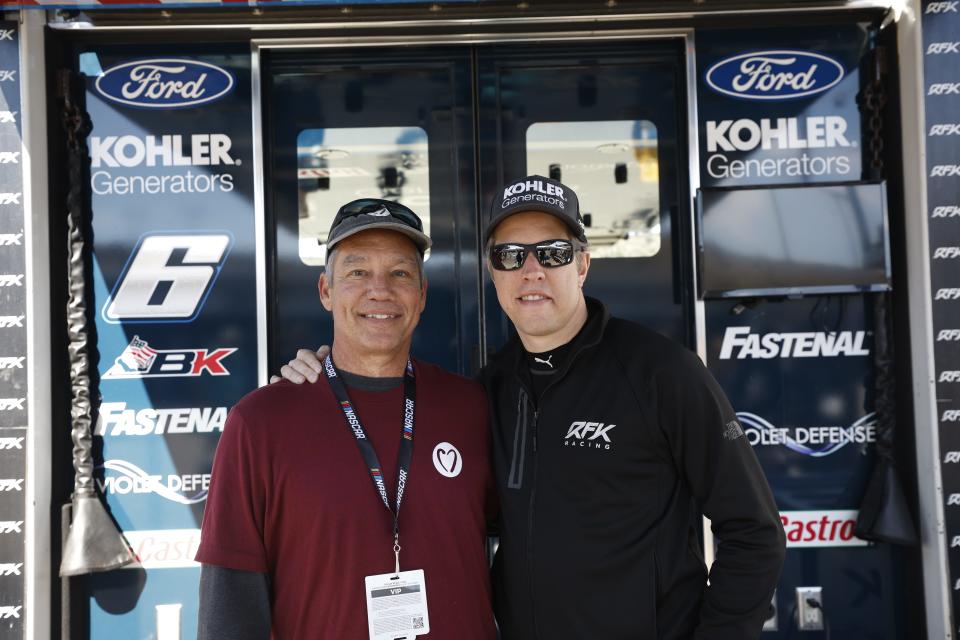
603,484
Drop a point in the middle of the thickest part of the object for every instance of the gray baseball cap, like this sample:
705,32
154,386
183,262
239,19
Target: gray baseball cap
373,213
537,193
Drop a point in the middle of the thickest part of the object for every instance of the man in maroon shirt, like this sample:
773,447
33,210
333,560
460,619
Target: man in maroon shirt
296,537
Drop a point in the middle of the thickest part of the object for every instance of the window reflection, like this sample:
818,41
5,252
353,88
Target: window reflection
612,165
335,166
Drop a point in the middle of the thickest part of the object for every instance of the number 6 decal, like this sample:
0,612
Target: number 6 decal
168,277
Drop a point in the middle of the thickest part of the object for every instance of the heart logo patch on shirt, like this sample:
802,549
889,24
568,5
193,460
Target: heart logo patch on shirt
447,460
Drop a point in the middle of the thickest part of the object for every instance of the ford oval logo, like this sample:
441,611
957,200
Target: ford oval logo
165,83
774,75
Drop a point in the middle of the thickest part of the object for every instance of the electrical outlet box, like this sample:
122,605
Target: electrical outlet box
770,624
810,608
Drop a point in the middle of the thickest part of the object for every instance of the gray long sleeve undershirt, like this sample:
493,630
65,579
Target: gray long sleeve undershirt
235,604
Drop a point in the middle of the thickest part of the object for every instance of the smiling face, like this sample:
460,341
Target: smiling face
546,305
375,294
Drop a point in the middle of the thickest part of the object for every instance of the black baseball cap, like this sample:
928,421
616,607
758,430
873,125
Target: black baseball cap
536,193
374,213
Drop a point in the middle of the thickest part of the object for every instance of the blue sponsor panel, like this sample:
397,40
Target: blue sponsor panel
778,105
800,374
14,365
174,296
941,45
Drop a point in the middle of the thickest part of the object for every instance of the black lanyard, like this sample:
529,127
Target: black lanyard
404,456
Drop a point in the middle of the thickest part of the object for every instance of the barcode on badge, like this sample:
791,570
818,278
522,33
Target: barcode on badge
418,622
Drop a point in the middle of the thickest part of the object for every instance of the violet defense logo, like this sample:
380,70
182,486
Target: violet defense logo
165,83
774,75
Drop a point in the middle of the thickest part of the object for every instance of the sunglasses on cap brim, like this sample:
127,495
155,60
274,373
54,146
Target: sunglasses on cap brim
381,208
549,253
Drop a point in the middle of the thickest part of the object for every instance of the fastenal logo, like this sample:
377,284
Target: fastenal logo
821,528
115,419
128,478
774,75
816,442
139,360
165,83
592,435
810,344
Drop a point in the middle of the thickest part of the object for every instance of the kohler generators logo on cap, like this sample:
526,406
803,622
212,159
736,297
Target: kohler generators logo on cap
774,75
532,186
165,83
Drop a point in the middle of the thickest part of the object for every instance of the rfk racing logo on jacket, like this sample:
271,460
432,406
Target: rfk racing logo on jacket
140,360
592,435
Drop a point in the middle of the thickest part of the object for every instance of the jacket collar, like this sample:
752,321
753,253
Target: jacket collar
510,357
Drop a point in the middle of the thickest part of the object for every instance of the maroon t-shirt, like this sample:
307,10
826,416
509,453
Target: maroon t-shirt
291,496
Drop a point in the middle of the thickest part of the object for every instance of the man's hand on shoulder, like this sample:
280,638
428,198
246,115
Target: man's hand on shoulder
307,366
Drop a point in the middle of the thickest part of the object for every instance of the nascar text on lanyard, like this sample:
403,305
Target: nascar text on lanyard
407,589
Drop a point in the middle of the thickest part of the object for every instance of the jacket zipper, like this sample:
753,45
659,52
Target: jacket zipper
533,497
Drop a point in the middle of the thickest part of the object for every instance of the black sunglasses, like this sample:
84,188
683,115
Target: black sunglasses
373,206
549,253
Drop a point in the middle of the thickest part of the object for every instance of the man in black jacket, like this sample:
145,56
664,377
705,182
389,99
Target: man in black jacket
610,442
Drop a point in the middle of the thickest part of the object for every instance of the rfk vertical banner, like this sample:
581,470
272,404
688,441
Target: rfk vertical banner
13,341
941,67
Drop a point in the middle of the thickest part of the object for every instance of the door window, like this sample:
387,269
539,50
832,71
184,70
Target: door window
337,165
613,167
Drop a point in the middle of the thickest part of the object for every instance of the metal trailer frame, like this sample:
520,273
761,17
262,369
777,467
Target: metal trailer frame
906,13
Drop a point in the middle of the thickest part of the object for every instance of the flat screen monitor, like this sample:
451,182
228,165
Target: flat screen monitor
792,241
